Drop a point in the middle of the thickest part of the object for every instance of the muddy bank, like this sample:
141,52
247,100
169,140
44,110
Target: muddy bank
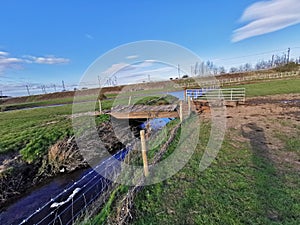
18,176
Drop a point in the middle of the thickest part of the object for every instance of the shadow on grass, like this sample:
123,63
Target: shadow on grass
271,195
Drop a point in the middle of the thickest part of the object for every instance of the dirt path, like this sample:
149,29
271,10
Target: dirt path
267,124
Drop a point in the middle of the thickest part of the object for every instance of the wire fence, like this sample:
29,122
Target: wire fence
219,81
95,186
80,194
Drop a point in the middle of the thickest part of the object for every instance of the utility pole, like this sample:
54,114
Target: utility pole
288,58
178,71
63,85
28,90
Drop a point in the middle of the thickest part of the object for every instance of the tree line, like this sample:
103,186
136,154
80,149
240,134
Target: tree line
278,62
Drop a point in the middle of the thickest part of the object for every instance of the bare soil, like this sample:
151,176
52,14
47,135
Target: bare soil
262,120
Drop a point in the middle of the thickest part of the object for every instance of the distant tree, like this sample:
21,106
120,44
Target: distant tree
233,70
221,70
202,69
215,70
247,67
241,68
196,68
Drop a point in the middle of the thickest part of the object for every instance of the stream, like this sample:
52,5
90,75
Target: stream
39,196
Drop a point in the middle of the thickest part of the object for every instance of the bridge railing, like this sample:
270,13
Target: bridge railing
211,94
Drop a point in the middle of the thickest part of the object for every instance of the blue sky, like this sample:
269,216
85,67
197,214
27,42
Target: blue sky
44,42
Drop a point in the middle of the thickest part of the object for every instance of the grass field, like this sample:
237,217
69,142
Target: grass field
242,186
32,131
273,87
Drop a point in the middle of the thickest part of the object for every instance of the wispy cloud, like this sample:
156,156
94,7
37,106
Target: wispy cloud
3,53
267,16
132,57
116,68
150,71
88,36
125,67
47,60
8,62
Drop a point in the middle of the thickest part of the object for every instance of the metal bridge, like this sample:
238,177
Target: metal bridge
211,94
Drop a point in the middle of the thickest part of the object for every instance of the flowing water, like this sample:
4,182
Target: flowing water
41,194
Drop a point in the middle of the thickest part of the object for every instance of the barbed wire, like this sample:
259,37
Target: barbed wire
89,187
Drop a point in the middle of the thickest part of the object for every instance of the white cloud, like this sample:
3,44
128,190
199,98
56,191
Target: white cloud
116,67
46,60
132,57
155,73
7,62
3,53
266,17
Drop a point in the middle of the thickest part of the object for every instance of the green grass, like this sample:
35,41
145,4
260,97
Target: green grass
157,100
101,217
113,203
273,87
292,143
242,186
31,132
39,103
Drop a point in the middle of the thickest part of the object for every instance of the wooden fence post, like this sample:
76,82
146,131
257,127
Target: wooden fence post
100,106
144,153
189,103
129,101
180,111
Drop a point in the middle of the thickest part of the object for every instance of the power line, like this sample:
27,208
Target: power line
245,56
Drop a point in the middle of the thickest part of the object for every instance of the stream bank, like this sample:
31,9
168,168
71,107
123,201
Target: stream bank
17,177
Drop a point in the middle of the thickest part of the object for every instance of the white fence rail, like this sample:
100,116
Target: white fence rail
210,94
218,81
